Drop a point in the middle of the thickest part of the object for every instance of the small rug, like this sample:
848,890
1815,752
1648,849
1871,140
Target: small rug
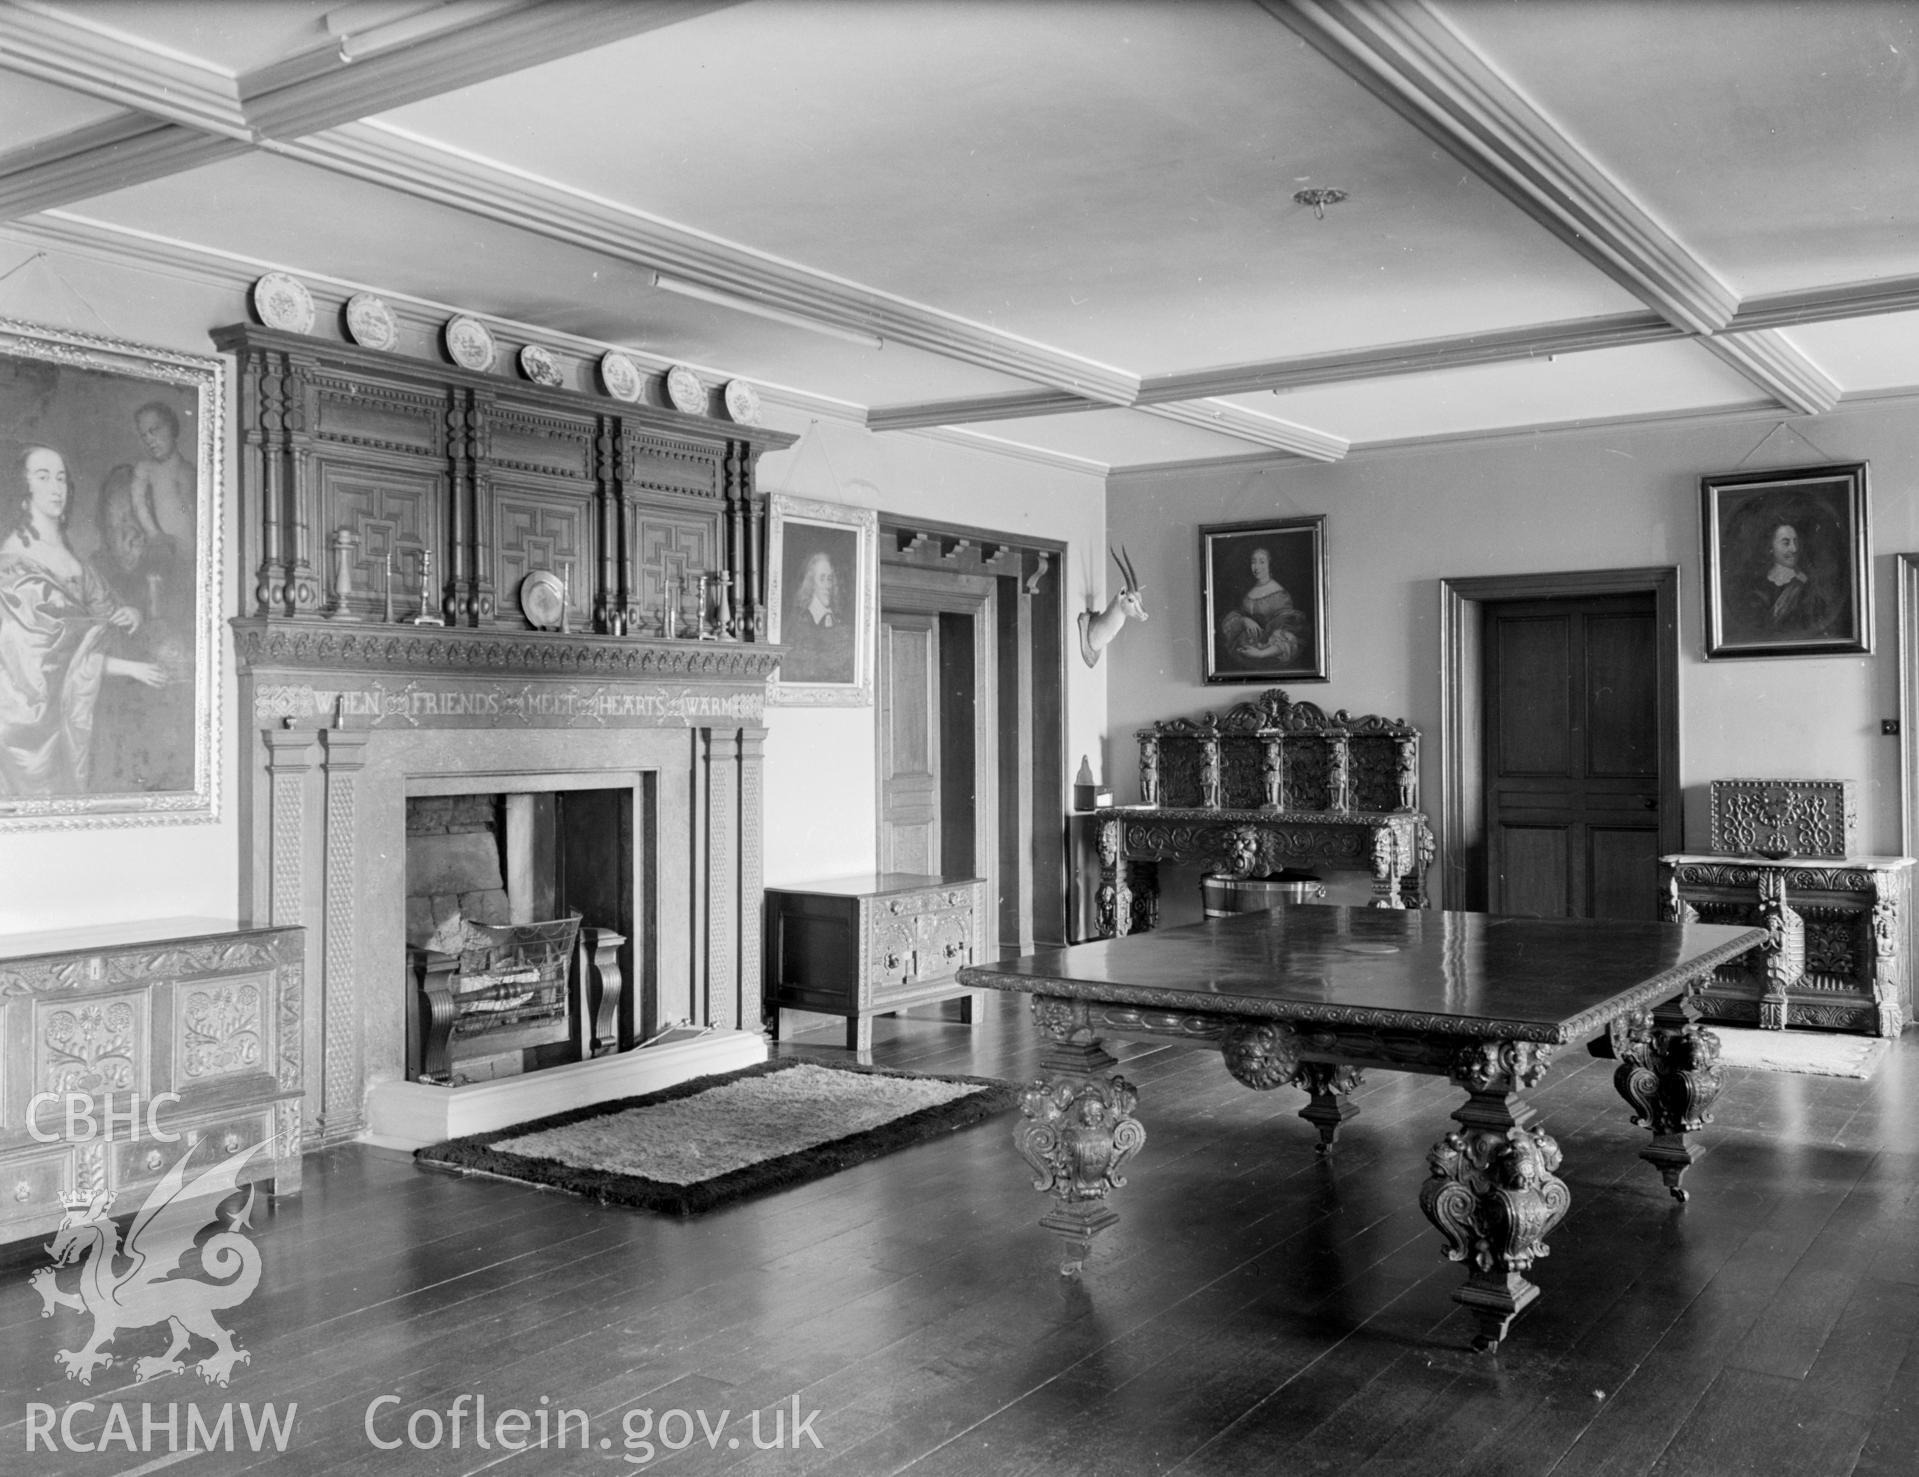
1821,1053
718,1139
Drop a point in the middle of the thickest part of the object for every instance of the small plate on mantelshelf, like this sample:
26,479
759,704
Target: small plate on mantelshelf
283,302
469,342
369,322
621,379
542,600
684,389
743,402
539,365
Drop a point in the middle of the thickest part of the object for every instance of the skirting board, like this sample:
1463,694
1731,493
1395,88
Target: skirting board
410,1115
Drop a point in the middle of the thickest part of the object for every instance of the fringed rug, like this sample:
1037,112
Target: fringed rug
713,1140
1821,1053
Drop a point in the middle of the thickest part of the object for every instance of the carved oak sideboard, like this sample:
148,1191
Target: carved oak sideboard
1835,956
188,1026
1268,784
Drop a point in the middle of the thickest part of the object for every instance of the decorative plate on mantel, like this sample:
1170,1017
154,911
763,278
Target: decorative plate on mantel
370,322
684,389
743,402
283,302
468,342
621,379
539,365
543,600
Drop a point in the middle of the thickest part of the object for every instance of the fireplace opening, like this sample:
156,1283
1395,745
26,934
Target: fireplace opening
519,922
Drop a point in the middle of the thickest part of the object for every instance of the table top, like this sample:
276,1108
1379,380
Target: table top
1466,974
873,884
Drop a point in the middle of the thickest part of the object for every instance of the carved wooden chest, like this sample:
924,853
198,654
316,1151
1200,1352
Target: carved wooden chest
163,1037
863,946
1836,957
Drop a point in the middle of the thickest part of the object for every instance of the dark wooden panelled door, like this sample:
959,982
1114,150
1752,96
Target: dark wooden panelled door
1572,755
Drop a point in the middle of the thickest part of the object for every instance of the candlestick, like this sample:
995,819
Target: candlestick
429,615
386,585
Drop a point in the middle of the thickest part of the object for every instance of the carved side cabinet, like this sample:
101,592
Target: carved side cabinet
1836,955
188,1026
863,946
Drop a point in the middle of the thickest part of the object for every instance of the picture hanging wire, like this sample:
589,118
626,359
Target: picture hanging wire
1777,428
60,279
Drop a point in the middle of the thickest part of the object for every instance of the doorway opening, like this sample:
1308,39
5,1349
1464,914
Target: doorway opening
1559,741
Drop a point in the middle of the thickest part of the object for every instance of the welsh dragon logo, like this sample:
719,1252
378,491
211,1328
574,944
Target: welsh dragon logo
130,1285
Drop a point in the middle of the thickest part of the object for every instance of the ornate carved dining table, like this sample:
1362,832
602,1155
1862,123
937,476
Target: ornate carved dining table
1309,996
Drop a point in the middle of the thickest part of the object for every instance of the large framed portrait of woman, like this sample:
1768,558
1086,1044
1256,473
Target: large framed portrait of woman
109,581
822,600
1263,600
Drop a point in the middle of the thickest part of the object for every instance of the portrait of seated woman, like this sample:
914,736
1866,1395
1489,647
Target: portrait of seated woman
1267,627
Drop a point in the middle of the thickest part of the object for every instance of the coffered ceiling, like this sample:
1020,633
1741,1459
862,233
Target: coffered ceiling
1063,229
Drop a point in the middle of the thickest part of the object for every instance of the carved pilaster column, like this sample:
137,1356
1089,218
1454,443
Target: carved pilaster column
1115,898
610,594
722,749
290,756
342,1076
752,869
1669,1073
289,761
1888,966
1783,955
1078,1128
753,614
1388,865
1492,1191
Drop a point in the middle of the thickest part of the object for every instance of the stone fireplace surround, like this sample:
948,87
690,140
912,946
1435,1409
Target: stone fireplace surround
347,724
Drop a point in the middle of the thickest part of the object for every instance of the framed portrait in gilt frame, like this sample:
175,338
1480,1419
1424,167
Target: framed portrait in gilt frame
1788,562
1263,600
110,524
822,598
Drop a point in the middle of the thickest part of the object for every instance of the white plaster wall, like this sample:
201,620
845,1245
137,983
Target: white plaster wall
820,762
1399,522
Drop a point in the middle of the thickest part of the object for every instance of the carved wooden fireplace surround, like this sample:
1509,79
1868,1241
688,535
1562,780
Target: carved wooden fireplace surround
354,463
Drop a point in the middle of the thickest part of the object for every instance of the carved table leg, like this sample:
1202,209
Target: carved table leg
1493,1194
1669,1072
1115,898
1078,1129
1266,1056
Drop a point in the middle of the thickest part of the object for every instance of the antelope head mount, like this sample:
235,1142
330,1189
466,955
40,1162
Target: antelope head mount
1097,628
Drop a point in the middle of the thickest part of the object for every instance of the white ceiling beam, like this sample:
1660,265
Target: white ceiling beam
67,48
1014,405
1773,364
1825,304
291,99
130,149
1246,425
422,168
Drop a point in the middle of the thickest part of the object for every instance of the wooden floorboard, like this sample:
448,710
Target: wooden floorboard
1257,1309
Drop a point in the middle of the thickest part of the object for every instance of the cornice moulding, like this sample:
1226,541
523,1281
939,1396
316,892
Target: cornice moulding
133,149
1246,425
1411,59
1423,356
1018,450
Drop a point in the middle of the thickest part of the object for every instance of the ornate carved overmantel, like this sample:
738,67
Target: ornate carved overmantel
354,707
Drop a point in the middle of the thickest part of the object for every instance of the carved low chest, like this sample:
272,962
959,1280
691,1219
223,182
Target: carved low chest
124,1047
866,945
1836,953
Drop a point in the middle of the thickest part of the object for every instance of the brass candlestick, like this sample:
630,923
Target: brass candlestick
429,615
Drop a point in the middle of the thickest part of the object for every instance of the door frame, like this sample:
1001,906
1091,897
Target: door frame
1462,692
936,592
